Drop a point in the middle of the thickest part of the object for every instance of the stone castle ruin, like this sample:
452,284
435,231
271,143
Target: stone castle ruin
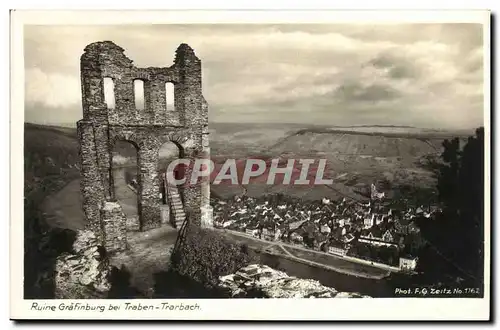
147,128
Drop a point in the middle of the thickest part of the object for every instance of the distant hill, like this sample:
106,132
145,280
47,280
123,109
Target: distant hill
358,143
356,156
49,152
262,137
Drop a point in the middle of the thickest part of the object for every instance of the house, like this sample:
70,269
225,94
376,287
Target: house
348,238
277,234
379,219
325,229
408,263
405,226
295,237
337,233
376,237
268,232
296,224
375,194
368,222
388,236
241,211
336,247
367,234
316,219
252,231
227,223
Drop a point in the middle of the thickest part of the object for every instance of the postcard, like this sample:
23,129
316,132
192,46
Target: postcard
224,165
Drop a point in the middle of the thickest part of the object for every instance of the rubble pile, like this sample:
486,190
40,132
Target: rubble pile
83,273
265,282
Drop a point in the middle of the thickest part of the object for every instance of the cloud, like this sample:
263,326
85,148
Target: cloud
53,90
357,92
429,73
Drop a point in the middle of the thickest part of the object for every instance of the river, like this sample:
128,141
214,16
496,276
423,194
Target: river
341,282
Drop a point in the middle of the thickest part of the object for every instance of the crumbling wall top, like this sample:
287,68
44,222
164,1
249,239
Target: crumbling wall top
106,53
106,60
100,46
185,52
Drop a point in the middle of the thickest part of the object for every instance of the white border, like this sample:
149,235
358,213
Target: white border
241,309
107,17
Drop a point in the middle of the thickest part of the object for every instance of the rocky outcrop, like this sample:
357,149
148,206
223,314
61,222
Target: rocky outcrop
84,273
265,282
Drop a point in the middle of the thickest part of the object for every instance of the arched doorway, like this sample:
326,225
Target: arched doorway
126,181
172,201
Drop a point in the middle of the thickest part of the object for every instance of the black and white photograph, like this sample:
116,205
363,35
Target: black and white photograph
170,166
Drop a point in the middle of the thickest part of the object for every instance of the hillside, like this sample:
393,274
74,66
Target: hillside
50,154
390,156
357,144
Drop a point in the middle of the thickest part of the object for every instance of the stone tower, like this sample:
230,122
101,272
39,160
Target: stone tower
147,129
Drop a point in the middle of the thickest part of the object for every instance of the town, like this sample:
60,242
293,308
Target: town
378,230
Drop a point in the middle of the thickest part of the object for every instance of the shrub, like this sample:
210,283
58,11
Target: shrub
204,255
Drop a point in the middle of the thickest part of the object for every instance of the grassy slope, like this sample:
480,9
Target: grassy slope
50,163
49,154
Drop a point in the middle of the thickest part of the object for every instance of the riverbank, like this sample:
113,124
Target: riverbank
261,281
315,258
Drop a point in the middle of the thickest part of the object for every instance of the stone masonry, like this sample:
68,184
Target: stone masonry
148,129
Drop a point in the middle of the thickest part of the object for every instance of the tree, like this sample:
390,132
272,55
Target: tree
458,233
448,175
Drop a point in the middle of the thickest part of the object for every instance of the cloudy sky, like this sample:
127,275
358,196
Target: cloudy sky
428,76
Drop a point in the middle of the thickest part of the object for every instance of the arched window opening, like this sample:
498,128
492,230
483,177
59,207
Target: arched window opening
139,94
126,181
170,192
109,93
170,96
166,154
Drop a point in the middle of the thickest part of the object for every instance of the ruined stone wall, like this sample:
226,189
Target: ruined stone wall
147,129
83,273
206,208
92,188
148,140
